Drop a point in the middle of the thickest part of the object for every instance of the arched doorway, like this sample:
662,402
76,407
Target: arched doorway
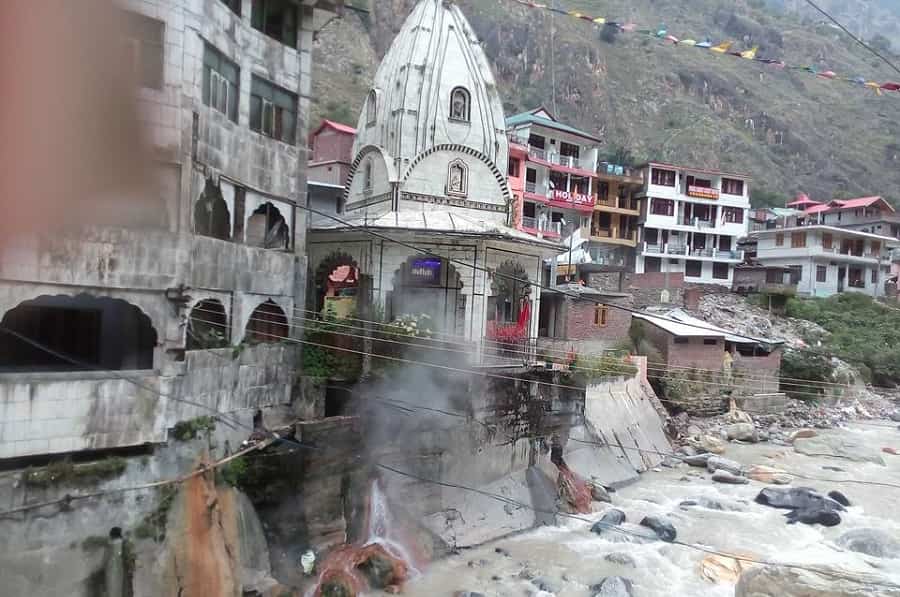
211,216
509,306
267,324
337,282
429,286
267,228
207,326
66,333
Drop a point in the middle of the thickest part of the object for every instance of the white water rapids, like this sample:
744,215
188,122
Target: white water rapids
573,558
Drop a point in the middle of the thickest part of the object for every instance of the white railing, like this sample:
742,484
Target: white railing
537,153
529,222
688,251
566,160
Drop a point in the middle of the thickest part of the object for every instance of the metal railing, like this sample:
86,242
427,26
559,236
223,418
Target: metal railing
566,160
537,153
687,251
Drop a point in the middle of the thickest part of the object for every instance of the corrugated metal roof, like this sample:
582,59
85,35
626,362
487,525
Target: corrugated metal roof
678,323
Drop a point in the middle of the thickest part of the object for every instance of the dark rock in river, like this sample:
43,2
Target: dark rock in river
839,498
826,518
796,498
872,542
599,494
664,529
549,585
610,518
613,586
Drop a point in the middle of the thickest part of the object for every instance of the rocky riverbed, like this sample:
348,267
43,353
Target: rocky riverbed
571,561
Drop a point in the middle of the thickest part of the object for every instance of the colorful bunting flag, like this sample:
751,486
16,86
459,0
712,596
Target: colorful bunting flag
723,48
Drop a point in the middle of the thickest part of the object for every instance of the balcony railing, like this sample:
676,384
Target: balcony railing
688,251
537,153
610,169
566,160
614,233
536,189
536,224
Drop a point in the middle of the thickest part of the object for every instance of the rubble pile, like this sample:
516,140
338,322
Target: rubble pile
733,312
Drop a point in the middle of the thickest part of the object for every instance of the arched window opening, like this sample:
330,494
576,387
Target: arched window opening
429,286
337,286
268,324
211,216
267,228
371,107
207,326
460,104
510,293
458,179
64,333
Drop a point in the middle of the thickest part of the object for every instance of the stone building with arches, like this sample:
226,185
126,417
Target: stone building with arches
112,335
429,172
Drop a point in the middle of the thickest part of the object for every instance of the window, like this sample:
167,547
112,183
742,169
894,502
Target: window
720,271
143,40
821,273
234,5
710,341
733,215
652,264
273,110
874,275
856,276
513,169
603,191
528,209
730,186
876,248
662,207
371,108
779,239
220,82
798,240
693,268
774,276
662,177
601,315
827,240
568,149
681,340
277,19
796,273
458,178
460,104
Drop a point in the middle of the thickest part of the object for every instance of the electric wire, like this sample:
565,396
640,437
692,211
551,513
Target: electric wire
854,37
428,342
657,372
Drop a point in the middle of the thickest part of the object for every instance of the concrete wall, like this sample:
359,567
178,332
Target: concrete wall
764,370
57,413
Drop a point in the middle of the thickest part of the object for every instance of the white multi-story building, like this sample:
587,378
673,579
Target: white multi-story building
691,221
826,260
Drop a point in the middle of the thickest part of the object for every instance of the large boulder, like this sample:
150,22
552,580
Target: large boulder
768,581
717,463
767,474
664,529
744,432
610,518
872,542
797,498
838,447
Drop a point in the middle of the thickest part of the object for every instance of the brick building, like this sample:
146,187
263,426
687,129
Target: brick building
685,342
578,321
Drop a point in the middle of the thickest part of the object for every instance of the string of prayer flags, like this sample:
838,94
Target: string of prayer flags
722,47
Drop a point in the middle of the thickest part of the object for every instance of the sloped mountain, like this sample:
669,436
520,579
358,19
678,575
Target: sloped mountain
649,100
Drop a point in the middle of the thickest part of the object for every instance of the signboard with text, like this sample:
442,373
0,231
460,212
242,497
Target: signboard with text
425,271
702,192
571,199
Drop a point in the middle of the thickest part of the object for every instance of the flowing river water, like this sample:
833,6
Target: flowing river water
571,558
